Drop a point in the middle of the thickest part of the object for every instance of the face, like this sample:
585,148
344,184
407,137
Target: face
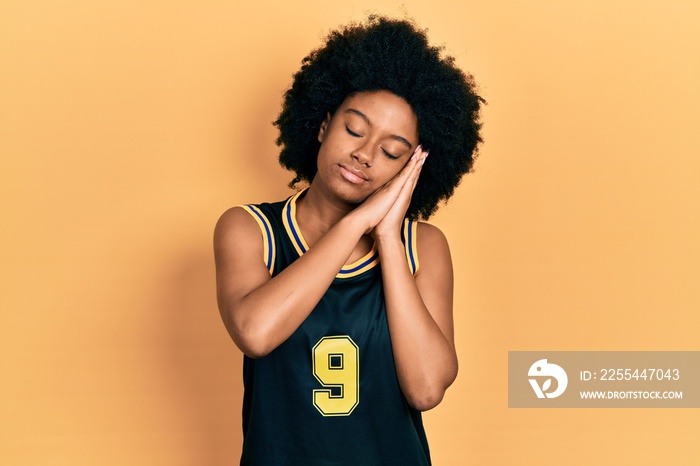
365,144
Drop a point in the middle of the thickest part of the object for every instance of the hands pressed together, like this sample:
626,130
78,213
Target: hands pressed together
386,208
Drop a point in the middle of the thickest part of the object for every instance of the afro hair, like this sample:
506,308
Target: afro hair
392,55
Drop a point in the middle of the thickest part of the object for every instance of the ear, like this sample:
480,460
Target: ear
324,126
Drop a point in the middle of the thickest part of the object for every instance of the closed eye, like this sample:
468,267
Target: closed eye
352,133
393,157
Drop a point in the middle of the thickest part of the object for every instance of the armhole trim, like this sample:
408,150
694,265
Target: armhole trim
268,237
409,240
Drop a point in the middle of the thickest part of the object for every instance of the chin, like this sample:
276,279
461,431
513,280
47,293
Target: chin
344,190
352,194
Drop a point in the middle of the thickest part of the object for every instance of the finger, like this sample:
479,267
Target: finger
420,160
415,162
403,176
418,170
410,184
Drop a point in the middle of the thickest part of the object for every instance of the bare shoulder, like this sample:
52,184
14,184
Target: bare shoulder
429,232
238,243
433,250
235,224
430,239
238,254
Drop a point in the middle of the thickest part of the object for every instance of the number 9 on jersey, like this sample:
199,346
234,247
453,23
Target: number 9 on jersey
336,365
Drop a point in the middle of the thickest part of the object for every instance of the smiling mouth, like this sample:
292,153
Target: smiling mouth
352,175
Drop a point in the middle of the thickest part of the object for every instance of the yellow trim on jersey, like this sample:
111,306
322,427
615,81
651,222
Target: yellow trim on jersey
410,229
365,263
268,236
289,219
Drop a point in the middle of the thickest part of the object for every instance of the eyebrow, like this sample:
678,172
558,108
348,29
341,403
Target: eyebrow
364,117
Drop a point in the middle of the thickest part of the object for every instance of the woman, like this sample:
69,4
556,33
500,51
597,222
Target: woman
340,300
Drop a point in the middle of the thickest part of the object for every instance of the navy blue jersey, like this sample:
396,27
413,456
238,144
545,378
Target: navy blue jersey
329,394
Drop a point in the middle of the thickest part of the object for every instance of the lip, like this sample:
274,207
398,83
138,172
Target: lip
352,174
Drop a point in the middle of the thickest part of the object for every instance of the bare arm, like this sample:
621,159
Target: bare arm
419,312
419,309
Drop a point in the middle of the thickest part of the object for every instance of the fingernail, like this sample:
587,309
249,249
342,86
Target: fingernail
425,156
416,152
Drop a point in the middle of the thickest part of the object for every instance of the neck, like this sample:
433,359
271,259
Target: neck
318,206
316,213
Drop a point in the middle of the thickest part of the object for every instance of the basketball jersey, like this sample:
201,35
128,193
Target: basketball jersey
329,395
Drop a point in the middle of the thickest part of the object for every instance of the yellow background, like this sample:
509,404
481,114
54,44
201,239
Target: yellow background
127,127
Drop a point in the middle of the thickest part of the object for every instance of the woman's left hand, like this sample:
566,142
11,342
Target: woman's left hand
392,221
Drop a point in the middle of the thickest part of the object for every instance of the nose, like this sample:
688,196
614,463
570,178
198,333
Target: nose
364,155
